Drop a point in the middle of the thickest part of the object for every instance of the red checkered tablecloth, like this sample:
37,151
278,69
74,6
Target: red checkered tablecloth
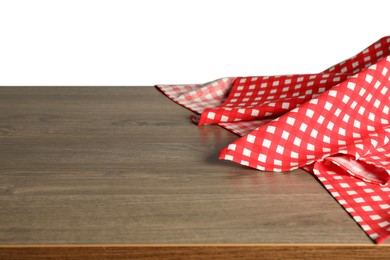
335,124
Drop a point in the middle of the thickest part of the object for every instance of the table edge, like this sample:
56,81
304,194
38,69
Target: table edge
180,251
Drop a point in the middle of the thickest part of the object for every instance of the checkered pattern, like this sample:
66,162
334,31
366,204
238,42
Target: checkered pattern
334,124
198,97
367,203
259,97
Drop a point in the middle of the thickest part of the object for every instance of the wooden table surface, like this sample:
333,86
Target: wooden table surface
86,170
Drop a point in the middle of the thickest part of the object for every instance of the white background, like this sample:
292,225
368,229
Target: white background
148,42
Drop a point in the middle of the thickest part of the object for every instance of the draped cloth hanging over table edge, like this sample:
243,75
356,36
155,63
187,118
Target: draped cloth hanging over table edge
334,124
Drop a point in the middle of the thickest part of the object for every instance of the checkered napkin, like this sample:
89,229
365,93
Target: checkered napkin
334,124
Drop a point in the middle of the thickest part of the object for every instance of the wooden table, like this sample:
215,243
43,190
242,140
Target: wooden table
103,172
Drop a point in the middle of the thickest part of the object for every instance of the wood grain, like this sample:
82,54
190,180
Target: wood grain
117,165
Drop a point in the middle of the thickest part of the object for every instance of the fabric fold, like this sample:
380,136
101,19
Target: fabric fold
198,97
334,124
269,96
365,171
345,119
